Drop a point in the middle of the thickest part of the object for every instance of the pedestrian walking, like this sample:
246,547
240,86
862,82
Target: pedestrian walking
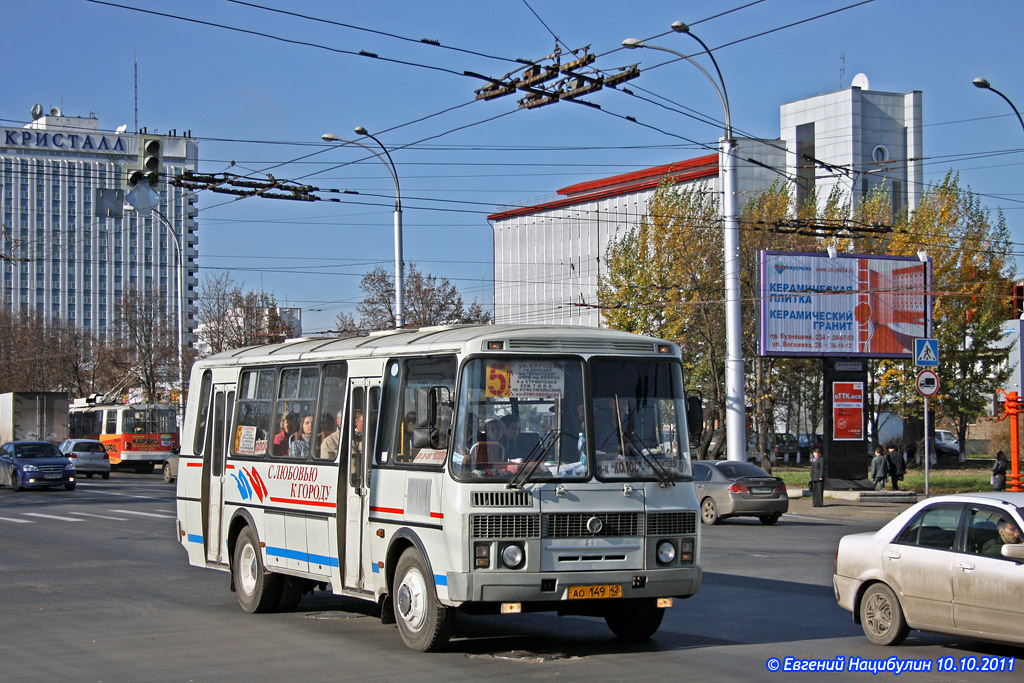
896,465
999,472
879,469
817,479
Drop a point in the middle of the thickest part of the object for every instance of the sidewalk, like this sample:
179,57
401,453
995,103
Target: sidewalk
838,507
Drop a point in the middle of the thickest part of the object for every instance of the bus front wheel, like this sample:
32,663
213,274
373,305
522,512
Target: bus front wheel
424,624
258,590
635,620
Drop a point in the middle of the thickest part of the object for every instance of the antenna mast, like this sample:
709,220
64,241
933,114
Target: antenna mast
136,93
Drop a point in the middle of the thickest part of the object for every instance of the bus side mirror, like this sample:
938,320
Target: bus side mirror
426,407
694,416
426,437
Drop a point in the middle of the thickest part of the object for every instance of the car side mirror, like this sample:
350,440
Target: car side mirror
1014,551
176,449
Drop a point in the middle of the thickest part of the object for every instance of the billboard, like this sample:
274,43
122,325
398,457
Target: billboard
849,305
847,411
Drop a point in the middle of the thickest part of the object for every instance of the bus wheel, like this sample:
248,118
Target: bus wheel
258,591
634,620
423,624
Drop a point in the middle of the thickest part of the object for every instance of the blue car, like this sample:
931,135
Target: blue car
34,464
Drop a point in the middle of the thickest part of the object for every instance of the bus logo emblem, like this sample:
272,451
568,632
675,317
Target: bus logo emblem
594,525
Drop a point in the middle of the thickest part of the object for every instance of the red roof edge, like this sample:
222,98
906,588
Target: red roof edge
681,171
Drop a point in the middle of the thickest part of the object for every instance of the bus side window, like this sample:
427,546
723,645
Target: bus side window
111,421
203,412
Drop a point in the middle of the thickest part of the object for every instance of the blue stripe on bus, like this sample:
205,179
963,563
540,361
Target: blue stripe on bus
301,556
376,569
195,538
441,579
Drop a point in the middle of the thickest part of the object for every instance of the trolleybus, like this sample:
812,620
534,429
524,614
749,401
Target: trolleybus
138,435
487,469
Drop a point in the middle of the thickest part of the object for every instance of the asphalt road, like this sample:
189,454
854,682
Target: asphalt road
94,587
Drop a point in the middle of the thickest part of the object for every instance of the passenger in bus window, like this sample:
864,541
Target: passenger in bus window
357,433
289,423
329,448
510,442
301,443
489,451
327,427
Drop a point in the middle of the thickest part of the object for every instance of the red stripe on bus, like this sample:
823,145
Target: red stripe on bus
193,464
317,503
437,515
394,511
230,467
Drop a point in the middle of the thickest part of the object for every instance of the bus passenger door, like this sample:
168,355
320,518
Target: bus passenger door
364,397
214,455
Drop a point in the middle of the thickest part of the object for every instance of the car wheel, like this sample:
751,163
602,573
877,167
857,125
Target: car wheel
634,620
770,519
106,475
69,487
167,474
424,624
709,511
258,590
882,617
16,481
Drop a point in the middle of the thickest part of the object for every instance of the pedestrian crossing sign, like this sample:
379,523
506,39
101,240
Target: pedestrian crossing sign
926,352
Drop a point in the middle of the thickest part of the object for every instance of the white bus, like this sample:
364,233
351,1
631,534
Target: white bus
490,469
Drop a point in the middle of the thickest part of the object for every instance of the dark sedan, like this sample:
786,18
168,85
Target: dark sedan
33,464
738,489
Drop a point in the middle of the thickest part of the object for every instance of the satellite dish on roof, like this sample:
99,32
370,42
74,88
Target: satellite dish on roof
55,111
860,81
122,128
37,111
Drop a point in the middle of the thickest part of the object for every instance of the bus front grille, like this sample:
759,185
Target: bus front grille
579,524
671,523
505,526
501,499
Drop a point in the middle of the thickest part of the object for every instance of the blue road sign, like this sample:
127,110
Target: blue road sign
926,352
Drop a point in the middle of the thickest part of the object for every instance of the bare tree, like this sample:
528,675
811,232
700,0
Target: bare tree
230,318
148,343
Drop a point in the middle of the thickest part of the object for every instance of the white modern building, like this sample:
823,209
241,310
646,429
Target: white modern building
548,256
67,254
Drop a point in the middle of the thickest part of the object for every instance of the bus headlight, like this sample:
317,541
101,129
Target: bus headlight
666,552
512,556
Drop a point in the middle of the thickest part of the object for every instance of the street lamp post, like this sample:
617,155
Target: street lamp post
735,399
399,264
985,85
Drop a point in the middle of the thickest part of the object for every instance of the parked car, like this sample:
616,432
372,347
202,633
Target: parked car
807,443
950,564
32,464
786,446
89,455
727,488
946,444
171,468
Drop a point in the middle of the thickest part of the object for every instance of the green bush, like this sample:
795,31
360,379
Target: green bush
942,481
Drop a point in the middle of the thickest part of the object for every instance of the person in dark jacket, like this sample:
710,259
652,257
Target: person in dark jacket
896,465
879,468
999,472
817,479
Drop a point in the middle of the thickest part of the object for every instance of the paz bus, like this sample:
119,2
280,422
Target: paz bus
478,468
136,435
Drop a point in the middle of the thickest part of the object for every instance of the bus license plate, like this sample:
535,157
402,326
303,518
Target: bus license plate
607,590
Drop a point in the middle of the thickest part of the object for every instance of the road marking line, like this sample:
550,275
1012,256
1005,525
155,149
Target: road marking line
15,520
144,514
89,514
57,517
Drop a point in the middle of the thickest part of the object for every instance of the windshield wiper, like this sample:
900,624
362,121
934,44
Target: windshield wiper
631,449
533,458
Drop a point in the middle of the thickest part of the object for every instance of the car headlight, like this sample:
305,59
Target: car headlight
70,466
29,468
512,556
666,552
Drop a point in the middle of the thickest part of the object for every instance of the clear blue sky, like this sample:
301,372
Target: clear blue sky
260,102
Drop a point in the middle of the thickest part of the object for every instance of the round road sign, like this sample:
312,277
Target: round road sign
927,383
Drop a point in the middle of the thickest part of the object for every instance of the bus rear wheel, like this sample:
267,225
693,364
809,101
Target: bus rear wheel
258,590
424,624
635,620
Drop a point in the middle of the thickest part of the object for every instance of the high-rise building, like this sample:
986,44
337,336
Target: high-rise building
67,253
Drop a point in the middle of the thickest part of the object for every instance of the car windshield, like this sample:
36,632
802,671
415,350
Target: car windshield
37,450
738,470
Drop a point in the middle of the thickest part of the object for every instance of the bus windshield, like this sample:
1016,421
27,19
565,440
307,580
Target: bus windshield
149,421
639,424
515,410
528,419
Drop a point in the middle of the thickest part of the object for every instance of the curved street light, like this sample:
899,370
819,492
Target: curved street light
390,165
985,85
735,398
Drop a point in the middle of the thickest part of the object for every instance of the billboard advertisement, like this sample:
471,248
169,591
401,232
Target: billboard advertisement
847,411
847,305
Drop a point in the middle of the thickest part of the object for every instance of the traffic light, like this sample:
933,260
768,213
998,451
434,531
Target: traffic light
151,158
1018,301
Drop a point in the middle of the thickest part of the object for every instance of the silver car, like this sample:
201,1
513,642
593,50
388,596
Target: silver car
950,564
738,489
89,455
